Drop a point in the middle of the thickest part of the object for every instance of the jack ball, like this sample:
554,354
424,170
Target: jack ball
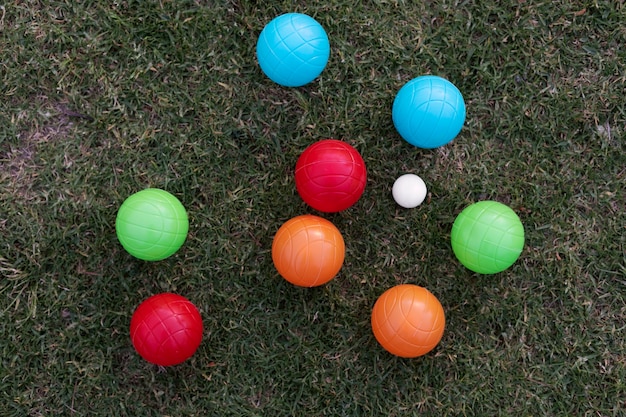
409,191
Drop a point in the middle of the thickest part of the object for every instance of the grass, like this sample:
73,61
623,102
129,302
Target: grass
178,102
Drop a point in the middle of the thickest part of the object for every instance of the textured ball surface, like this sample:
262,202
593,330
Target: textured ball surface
408,321
428,111
330,175
409,191
166,329
152,224
487,237
308,250
293,49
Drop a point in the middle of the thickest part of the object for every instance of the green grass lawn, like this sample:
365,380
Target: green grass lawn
172,97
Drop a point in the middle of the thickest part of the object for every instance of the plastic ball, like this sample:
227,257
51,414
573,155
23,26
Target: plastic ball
166,329
428,111
409,191
330,175
487,237
408,321
152,224
308,251
293,49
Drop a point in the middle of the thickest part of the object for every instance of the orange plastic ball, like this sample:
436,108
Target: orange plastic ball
408,321
308,251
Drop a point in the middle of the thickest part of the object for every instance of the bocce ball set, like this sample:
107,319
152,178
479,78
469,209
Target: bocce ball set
407,320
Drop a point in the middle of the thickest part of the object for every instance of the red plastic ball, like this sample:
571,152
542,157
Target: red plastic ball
166,329
408,320
330,175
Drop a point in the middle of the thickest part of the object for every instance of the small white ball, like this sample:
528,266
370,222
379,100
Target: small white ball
409,191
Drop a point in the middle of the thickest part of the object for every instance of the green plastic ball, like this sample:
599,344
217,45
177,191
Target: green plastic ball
152,224
487,237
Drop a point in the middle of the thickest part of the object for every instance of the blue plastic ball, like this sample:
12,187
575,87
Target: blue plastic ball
428,111
293,49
